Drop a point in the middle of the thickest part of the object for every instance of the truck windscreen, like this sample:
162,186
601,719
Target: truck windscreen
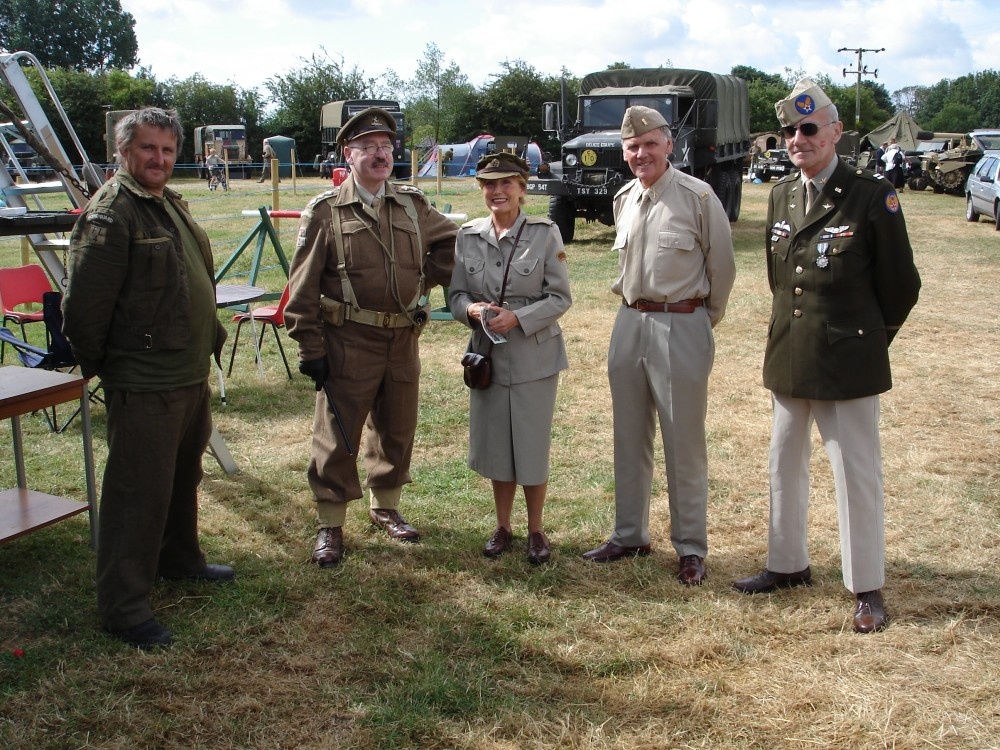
607,113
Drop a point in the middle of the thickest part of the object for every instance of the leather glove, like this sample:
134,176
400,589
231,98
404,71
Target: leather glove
317,369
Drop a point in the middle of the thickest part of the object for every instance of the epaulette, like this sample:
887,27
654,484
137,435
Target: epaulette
539,220
867,174
404,188
322,197
790,177
625,187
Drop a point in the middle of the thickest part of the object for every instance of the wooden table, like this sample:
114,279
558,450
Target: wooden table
24,390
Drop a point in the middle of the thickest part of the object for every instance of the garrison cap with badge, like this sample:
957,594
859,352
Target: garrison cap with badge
639,120
371,120
806,98
500,165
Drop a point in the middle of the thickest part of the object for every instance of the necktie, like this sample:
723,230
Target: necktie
376,204
636,248
810,195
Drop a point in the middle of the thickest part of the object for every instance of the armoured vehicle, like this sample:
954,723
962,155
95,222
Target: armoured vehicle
947,171
333,116
708,114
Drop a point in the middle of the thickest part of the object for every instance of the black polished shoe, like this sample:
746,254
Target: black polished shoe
498,543
394,524
211,573
767,581
328,550
145,635
869,612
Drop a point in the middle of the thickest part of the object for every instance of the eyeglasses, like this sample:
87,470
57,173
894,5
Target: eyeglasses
808,129
373,148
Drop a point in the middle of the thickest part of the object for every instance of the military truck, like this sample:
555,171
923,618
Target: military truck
707,112
333,116
229,142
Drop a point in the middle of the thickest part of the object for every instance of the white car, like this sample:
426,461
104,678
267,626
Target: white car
982,193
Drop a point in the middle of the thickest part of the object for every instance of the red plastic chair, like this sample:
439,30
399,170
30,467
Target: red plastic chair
22,286
269,315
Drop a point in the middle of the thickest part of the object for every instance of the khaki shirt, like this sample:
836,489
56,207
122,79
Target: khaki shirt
686,250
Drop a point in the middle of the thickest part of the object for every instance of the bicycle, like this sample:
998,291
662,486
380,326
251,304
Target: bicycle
218,178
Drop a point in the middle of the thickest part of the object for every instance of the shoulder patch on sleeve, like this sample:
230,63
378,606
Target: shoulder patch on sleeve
892,202
561,257
321,197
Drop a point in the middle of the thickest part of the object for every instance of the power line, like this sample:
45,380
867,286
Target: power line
862,70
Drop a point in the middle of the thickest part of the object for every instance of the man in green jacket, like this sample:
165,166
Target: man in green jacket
841,271
140,314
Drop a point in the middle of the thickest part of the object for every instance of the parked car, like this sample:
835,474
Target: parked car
982,197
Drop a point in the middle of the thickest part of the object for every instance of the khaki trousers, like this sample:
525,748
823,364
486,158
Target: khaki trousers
849,430
658,368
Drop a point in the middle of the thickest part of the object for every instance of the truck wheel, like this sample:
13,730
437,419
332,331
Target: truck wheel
736,180
563,214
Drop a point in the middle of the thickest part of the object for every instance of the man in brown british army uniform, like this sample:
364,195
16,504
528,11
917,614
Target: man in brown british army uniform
841,272
366,252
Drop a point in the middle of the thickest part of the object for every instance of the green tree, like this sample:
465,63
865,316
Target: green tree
199,102
298,96
955,117
77,34
511,104
435,97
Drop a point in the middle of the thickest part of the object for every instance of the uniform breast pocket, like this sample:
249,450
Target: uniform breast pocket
845,258
156,266
675,256
525,278
358,245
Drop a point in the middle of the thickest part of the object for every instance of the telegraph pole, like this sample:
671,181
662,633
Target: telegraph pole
861,70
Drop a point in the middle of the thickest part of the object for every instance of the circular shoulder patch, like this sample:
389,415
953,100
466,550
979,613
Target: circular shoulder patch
892,203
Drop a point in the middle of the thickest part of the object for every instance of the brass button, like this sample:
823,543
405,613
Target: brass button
861,331
797,313
798,269
798,291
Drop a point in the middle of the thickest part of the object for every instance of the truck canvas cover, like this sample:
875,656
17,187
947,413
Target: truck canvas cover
729,91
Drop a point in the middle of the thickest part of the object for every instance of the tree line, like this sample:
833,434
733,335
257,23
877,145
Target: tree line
87,46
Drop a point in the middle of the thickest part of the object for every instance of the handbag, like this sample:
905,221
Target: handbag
477,369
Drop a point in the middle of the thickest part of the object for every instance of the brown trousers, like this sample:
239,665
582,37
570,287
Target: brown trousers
374,379
149,497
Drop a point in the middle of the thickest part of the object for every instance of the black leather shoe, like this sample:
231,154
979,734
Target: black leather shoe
869,612
767,581
538,548
212,573
394,524
145,635
609,551
691,571
329,548
498,543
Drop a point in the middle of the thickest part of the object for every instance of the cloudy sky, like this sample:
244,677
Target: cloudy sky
248,41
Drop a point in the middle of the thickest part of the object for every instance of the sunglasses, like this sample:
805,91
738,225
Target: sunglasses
807,129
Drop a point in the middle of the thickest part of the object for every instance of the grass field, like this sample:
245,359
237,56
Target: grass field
434,646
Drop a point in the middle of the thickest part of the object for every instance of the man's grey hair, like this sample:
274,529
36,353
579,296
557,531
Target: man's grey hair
832,111
153,116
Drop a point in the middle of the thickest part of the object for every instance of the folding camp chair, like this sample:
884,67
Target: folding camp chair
24,285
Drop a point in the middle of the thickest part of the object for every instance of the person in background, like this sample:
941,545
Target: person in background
140,314
843,281
367,251
267,156
677,269
510,423
213,161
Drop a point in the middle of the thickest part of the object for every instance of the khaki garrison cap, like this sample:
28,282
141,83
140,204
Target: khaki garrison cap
371,120
639,120
500,165
806,98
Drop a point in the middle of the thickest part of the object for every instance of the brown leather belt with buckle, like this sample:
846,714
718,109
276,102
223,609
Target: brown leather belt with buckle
684,306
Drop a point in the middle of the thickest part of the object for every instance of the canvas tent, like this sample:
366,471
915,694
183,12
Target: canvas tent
900,126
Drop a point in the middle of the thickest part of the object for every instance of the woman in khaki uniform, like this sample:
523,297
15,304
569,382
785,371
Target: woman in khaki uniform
510,423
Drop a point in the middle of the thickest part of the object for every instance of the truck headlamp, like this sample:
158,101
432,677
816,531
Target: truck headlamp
570,160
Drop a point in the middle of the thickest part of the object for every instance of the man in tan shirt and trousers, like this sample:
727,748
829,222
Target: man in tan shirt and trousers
676,272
